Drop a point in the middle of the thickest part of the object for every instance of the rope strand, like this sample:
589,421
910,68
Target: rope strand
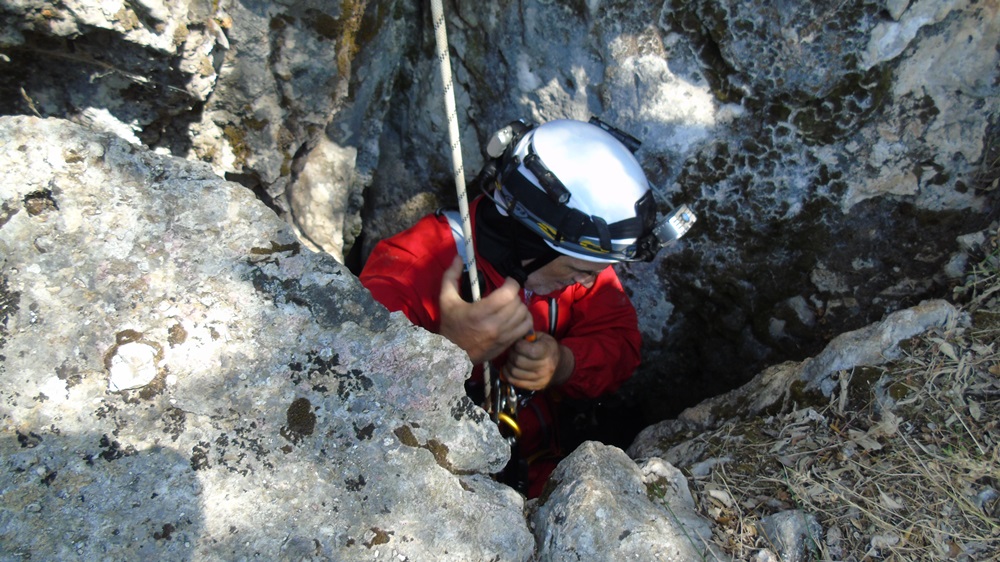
444,64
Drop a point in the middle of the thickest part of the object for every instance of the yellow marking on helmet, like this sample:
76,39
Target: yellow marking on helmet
547,229
592,247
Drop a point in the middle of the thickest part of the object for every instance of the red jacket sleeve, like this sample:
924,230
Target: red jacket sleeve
603,334
404,272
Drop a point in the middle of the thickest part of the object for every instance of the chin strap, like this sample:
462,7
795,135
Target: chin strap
508,245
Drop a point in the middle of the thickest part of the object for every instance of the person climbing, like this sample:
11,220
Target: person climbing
561,203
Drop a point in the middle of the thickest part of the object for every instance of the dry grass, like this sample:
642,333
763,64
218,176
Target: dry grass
903,464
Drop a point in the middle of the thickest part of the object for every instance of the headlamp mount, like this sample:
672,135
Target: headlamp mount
506,138
666,232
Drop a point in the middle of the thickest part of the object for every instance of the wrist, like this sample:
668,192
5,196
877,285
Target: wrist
565,367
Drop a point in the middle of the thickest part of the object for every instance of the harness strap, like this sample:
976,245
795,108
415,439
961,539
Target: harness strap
457,233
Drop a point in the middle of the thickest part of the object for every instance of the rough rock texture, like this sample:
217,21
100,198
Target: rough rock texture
602,506
792,535
781,387
143,68
865,147
180,379
299,107
250,87
833,150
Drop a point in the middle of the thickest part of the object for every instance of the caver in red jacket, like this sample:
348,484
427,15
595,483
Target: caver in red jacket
598,324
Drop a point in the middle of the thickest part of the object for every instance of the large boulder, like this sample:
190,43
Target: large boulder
834,151
600,505
180,379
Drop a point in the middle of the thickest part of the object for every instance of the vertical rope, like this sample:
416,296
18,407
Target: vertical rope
444,64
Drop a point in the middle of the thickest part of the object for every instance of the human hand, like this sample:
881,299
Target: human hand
536,364
486,328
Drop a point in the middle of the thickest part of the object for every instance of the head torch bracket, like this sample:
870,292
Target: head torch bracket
666,232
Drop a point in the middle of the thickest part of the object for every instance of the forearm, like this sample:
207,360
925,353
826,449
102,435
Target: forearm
600,365
565,367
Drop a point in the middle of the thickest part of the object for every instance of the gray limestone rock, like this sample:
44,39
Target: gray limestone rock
180,379
602,506
139,67
833,151
773,388
792,535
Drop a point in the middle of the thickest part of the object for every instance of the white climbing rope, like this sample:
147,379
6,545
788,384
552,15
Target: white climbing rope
444,64
444,60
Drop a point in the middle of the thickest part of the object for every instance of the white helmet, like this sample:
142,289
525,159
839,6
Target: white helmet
579,187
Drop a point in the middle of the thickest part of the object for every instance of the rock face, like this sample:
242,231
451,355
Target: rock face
159,321
141,68
843,186
833,150
180,379
253,88
601,506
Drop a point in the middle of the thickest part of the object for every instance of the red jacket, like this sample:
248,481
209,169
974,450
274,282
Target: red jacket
599,325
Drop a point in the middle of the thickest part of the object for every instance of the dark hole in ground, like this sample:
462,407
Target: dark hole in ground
612,420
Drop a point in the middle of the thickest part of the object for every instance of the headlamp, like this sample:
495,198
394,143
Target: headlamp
676,225
665,232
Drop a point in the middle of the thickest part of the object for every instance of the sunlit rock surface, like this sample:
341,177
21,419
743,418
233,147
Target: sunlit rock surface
601,506
180,379
834,151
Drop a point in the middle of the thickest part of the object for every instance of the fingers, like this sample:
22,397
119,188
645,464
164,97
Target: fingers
503,314
528,352
533,364
505,307
486,328
450,280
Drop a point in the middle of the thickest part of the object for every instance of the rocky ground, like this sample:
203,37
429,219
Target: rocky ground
900,463
279,421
